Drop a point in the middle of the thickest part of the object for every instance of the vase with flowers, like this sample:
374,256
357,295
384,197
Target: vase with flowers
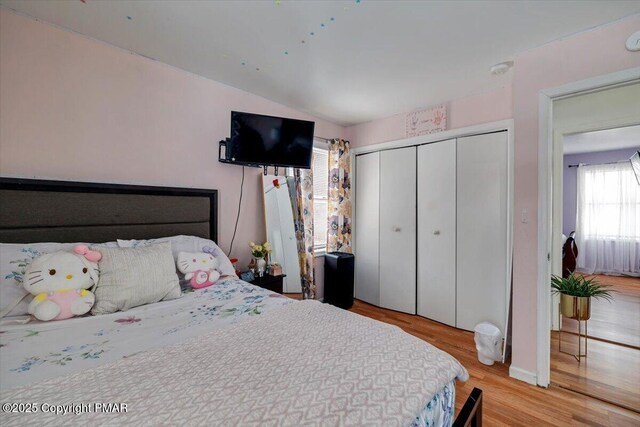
260,252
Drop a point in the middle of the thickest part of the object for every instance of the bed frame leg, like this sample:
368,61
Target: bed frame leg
471,413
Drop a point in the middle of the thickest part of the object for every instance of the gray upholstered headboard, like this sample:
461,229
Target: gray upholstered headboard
61,211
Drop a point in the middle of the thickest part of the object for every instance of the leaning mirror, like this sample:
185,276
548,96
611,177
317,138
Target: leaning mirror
278,215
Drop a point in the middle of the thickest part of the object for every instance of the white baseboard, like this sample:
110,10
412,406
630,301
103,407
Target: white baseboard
523,375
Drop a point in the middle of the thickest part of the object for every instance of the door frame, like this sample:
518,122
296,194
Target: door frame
546,98
559,133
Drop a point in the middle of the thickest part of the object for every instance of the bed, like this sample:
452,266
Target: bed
229,354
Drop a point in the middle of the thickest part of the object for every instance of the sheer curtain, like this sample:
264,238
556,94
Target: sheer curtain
608,219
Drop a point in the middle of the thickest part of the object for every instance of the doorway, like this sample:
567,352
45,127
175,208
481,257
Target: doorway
595,205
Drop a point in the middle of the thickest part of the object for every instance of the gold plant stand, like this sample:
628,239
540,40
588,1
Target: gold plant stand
579,309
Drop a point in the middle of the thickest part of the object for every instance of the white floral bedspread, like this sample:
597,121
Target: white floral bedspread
40,350
304,364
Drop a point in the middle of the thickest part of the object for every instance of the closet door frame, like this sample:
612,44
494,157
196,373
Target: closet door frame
498,126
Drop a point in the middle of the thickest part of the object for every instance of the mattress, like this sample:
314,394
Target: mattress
229,354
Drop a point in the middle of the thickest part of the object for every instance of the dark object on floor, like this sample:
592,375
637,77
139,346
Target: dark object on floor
569,255
471,413
338,279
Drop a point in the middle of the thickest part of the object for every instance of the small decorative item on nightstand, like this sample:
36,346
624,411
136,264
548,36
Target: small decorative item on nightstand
259,252
234,262
272,283
247,276
275,269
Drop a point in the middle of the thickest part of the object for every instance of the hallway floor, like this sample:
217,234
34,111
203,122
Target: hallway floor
617,321
610,371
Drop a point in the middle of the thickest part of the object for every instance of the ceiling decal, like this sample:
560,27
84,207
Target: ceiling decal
311,33
427,53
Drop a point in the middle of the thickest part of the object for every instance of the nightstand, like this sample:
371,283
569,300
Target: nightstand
272,283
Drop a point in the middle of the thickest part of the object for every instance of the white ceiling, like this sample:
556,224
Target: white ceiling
374,59
602,140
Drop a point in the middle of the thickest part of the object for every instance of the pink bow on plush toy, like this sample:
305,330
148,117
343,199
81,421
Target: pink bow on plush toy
93,256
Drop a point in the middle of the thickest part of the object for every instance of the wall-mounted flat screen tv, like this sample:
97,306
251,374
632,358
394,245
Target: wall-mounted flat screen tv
270,141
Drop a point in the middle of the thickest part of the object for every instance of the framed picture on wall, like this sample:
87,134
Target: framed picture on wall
426,121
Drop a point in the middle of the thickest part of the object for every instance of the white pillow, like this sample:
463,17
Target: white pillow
130,277
188,244
14,259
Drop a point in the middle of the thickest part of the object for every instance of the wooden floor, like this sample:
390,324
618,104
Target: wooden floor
610,372
508,402
619,320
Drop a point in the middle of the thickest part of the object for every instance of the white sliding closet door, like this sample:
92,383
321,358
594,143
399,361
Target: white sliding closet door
437,231
367,220
482,230
398,229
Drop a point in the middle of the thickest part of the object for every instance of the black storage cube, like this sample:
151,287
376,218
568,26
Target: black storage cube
338,279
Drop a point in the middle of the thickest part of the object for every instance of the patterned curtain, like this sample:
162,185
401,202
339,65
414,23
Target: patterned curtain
339,206
303,221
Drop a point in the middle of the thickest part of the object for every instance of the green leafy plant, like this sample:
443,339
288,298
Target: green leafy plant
580,286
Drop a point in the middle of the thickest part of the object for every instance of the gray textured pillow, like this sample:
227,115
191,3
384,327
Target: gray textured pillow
130,277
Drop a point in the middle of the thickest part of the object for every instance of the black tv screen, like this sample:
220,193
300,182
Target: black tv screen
267,140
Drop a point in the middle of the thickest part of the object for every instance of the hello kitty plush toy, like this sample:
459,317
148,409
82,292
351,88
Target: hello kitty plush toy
199,267
59,283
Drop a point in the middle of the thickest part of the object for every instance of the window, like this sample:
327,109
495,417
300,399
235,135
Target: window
320,197
608,219
608,202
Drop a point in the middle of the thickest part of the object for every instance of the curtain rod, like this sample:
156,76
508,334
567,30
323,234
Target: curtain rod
327,140
596,164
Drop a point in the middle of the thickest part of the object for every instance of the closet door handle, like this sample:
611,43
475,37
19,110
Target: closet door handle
396,229
436,233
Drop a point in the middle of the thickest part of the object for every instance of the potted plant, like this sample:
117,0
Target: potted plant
575,295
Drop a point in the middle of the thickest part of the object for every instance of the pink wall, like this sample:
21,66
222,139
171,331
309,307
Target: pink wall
77,109
589,54
473,110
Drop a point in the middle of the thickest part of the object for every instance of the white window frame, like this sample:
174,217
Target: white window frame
318,145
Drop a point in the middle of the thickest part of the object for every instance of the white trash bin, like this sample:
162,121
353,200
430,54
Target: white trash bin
488,342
